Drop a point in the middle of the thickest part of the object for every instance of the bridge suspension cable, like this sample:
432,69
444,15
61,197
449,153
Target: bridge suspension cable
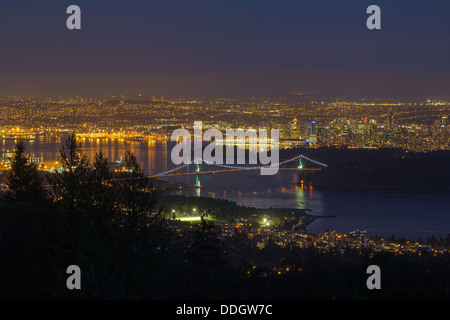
239,167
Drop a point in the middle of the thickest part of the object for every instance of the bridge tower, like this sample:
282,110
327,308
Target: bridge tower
197,177
197,185
305,177
300,163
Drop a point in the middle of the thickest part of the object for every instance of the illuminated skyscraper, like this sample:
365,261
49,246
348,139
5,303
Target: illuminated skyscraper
390,121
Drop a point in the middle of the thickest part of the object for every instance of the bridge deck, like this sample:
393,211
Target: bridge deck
229,170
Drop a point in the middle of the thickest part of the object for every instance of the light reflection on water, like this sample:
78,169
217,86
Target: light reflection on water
409,215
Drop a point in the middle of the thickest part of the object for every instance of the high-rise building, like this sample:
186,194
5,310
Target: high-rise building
313,133
390,121
294,129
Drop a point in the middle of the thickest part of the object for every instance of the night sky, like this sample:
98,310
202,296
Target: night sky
225,47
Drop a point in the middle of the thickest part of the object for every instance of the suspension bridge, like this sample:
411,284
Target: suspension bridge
222,168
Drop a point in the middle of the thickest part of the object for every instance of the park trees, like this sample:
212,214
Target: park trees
23,181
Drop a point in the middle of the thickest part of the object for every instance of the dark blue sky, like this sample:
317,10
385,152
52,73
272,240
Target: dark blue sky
225,47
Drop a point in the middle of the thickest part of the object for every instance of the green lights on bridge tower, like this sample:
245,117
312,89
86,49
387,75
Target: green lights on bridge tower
197,177
300,163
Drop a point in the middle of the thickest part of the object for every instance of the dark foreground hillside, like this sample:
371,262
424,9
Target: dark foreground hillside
38,244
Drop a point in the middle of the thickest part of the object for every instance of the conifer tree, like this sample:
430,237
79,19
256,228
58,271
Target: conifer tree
23,180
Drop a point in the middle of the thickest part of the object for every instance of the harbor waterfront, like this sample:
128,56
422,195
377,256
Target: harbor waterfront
410,215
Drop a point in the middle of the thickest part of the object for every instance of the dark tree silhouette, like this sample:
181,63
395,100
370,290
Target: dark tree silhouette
23,181
69,185
101,187
135,194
